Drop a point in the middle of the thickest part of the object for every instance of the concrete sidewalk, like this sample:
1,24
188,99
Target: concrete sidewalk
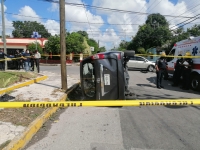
47,90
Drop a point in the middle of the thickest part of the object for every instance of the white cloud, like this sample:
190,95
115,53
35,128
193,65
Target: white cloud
114,17
54,7
52,26
26,13
8,24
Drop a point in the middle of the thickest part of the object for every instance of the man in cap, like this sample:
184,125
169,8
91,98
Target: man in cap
178,71
161,66
37,57
187,68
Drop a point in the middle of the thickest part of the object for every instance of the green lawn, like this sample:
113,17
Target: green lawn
9,78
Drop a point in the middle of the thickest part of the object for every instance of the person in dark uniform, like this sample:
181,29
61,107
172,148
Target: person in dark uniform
187,68
178,71
2,57
22,62
18,55
27,60
161,66
32,61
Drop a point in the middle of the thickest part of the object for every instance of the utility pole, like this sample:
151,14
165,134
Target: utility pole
63,46
3,31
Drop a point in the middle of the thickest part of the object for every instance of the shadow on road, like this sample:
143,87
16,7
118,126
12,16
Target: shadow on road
168,85
176,107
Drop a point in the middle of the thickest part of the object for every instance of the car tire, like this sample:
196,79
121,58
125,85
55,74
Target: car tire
195,82
150,68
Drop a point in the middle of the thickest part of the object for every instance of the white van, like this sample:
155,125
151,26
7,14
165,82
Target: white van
191,45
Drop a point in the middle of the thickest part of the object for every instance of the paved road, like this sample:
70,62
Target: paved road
126,128
71,70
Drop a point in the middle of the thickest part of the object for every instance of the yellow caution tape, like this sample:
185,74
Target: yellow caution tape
86,55
106,103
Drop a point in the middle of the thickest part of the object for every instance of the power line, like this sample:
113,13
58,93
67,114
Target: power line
143,8
156,4
189,22
186,21
186,12
111,9
69,20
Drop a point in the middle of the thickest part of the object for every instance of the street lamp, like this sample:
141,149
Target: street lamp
36,35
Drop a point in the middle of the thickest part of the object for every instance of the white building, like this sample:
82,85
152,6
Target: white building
12,44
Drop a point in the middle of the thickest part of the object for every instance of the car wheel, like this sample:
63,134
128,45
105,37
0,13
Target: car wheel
195,82
151,68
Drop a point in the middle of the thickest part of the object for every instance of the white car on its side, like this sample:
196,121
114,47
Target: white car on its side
138,62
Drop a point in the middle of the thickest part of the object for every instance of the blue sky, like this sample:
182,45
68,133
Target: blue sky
106,26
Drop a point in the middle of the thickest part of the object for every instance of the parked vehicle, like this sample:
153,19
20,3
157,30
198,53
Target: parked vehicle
191,45
138,62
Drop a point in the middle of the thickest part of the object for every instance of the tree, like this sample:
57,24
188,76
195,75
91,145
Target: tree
93,43
194,31
123,45
25,29
141,50
102,49
32,47
75,43
83,33
155,32
53,45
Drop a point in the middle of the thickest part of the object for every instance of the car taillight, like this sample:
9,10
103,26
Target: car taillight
98,56
119,56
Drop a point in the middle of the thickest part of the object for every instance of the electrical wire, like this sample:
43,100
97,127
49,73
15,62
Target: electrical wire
195,18
185,12
110,9
87,17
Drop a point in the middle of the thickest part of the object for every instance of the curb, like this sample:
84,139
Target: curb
23,84
20,141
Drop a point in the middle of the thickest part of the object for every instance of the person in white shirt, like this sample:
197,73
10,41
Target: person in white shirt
37,57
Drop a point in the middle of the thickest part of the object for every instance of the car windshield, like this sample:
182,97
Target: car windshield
89,79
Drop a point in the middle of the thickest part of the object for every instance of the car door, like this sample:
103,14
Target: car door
132,63
141,63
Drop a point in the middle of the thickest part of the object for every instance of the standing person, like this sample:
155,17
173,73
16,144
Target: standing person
18,60
22,60
187,68
161,66
178,71
37,57
2,57
26,60
32,61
